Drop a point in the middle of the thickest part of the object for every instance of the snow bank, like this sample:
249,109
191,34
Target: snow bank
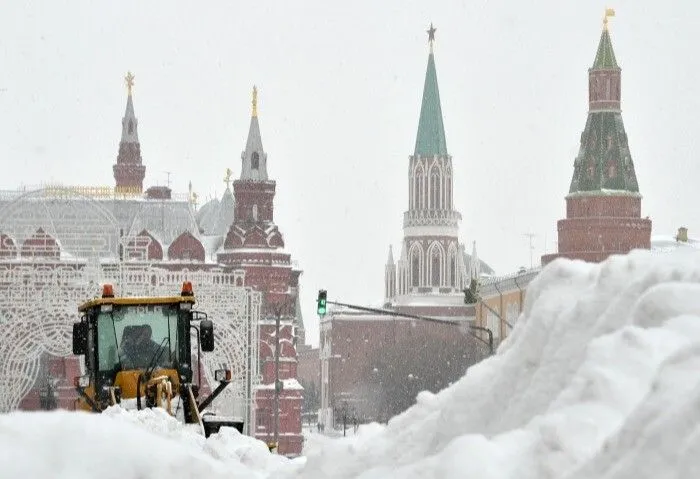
598,380
124,444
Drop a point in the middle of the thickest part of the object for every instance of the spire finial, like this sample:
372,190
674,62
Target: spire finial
255,100
227,178
129,78
609,12
431,36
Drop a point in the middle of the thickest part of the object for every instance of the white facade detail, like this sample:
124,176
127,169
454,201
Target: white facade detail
430,251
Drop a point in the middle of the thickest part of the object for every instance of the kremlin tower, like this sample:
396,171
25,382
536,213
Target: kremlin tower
129,171
433,268
603,207
255,245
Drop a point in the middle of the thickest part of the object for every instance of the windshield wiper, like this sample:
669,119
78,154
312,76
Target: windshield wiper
156,356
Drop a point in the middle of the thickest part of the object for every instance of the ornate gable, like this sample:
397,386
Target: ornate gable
41,244
255,237
143,246
186,247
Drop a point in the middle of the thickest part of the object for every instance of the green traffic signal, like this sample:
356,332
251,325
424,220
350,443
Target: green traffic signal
321,302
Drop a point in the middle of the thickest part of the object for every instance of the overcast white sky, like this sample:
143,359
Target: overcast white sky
340,85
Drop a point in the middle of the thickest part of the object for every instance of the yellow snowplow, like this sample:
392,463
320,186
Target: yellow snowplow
138,354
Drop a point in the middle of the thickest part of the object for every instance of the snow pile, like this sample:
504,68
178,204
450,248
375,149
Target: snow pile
124,444
598,380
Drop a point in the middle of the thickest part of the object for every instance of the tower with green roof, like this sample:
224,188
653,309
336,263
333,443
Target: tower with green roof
432,261
603,207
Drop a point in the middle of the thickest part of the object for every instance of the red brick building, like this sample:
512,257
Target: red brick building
603,207
254,244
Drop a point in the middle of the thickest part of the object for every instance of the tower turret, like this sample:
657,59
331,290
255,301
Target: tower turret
474,264
254,166
254,192
604,76
603,207
129,170
389,278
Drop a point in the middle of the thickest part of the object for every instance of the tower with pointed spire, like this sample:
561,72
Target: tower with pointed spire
129,171
426,277
432,261
255,245
433,267
603,207
389,278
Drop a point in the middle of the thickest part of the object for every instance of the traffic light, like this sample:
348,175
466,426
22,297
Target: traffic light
321,302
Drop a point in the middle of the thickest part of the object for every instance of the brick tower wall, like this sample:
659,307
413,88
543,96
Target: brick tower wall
598,226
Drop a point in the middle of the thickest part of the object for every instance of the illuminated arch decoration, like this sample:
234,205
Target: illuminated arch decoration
39,296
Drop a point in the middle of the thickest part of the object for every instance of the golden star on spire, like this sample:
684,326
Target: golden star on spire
129,78
609,12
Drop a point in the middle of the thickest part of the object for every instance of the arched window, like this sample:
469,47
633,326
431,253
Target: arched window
421,190
255,212
435,260
131,126
418,185
415,268
434,189
448,190
453,270
255,160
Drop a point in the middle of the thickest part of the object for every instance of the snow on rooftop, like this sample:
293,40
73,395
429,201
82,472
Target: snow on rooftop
664,243
597,380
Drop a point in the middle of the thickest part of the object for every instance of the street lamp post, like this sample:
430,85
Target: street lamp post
345,417
277,378
279,310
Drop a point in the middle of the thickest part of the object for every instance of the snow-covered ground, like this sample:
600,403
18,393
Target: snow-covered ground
599,379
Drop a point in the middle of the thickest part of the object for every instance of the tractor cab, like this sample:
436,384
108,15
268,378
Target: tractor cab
138,354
